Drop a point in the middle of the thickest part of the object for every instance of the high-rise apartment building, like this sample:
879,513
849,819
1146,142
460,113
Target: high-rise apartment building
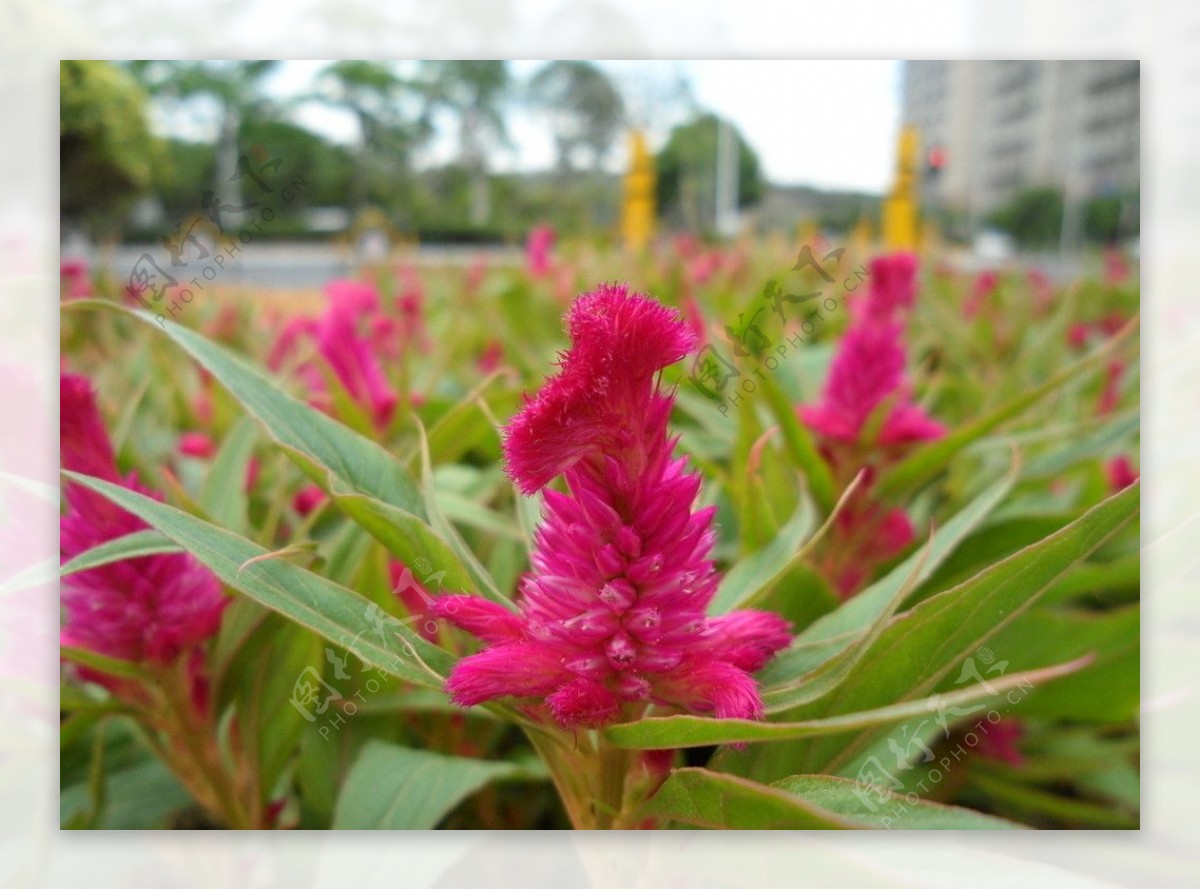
994,128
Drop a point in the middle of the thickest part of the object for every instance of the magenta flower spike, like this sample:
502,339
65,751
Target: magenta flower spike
612,615
867,371
892,291
539,247
147,609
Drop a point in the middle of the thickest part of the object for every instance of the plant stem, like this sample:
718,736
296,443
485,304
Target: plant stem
193,753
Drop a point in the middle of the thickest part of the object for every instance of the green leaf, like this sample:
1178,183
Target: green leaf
474,568
754,575
931,644
310,600
223,495
695,796
799,445
838,631
390,787
688,731
361,464
925,463
858,612
117,667
367,482
144,543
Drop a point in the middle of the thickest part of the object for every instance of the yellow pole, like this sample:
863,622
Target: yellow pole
637,208
900,206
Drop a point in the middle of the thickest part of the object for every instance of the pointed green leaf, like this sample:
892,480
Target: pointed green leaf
695,796
310,600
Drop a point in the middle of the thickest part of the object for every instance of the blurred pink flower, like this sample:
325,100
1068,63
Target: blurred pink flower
196,444
865,534
1043,288
491,357
1110,395
308,499
982,289
345,337
150,608
891,291
1116,267
74,274
867,372
1121,473
1000,741
702,267
410,304
613,613
539,247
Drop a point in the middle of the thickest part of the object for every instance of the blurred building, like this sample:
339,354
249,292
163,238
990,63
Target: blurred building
990,129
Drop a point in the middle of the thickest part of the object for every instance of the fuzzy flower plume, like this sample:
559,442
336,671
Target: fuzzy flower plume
146,609
349,338
867,375
613,613
539,249
892,291
866,419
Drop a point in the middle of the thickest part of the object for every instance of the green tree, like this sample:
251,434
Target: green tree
1034,217
687,173
475,92
585,109
375,95
1108,219
236,88
106,150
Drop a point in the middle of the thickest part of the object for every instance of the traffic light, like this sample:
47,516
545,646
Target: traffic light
935,160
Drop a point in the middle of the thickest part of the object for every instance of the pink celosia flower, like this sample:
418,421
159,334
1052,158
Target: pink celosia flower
74,273
703,267
538,250
868,371
1116,267
865,534
416,599
1110,395
195,444
355,298
150,608
984,286
491,357
308,499
613,613
892,290
345,338
476,273
356,366
1043,288
1000,741
253,470
1121,473
410,304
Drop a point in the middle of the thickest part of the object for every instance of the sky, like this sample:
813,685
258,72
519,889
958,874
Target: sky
828,124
